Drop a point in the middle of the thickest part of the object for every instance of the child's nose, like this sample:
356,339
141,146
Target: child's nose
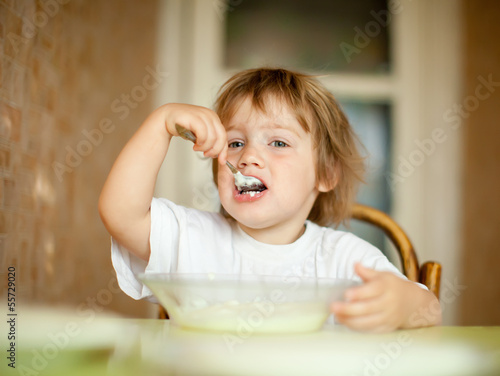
250,156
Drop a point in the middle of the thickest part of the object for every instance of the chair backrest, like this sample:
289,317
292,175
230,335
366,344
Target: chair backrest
428,273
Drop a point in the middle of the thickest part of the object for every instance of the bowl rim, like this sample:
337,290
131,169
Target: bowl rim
214,279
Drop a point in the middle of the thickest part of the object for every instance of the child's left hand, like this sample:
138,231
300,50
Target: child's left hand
383,303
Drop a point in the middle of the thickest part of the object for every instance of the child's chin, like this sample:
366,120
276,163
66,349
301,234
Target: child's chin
252,222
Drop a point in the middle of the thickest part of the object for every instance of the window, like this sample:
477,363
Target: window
308,35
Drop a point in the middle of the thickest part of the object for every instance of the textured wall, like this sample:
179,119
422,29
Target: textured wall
481,188
76,80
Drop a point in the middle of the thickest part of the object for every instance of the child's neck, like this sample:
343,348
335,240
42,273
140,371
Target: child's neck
275,234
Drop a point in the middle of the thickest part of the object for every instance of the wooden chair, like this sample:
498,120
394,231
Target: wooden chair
429,273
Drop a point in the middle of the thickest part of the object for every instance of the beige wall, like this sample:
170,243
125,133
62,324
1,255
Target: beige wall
63,70
481,185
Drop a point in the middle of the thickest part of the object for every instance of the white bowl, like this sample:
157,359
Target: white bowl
246,304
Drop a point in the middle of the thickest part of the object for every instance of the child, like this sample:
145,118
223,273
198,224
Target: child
287,130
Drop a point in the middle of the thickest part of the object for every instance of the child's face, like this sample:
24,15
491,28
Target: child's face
274,148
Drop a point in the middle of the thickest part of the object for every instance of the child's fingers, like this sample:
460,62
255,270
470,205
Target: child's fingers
366,316
222,157
369,290
366,274
375,323
360,308
219,147
209,133
205,134
216,150
212,140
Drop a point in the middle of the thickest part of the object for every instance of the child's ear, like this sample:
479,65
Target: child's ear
329,180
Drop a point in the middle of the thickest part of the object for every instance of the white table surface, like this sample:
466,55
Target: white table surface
49,343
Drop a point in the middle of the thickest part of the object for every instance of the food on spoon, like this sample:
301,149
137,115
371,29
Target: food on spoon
248,184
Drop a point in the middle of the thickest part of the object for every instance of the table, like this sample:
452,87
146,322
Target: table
65,344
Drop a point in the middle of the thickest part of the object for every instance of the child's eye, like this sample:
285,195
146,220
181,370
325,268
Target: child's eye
235,144
279,144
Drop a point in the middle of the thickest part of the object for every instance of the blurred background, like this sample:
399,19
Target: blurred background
419,81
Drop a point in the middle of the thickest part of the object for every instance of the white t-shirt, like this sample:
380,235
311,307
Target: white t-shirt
186,240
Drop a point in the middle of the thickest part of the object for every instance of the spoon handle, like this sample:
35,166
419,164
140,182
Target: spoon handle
232,168
185,134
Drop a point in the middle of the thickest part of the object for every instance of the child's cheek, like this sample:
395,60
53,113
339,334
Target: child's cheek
225,180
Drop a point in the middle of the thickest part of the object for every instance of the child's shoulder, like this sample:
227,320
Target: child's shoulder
341,240
164,207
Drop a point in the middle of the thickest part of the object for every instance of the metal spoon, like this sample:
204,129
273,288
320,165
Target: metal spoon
241,181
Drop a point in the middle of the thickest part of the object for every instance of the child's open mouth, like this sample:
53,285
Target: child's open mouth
253,189
250,192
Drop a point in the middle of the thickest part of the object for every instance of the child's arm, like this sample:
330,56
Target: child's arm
386,302
124,204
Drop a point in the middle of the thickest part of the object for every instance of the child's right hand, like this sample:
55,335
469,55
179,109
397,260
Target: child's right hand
211,138
125,202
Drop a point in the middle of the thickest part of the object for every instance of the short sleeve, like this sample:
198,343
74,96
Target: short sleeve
163,245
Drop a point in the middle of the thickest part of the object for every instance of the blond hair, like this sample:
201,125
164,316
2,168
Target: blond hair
339,164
